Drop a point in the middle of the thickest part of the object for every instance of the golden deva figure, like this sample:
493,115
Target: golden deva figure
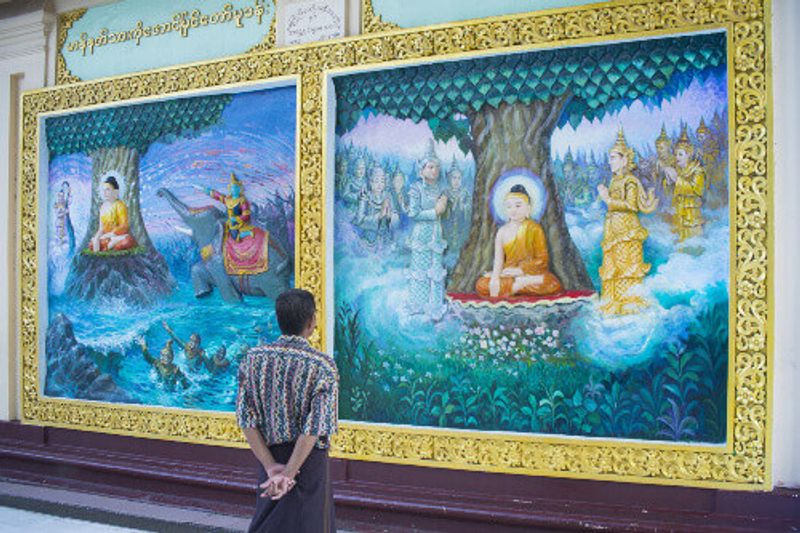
623,266
689,183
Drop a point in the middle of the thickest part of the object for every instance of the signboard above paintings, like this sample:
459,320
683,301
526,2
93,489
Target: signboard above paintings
137,35
382,15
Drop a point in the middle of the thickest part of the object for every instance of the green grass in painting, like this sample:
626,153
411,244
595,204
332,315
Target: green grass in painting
533,380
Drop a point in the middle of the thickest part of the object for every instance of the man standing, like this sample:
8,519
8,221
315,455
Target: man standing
287,407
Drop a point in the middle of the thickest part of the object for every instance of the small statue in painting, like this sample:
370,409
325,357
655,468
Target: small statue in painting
114,231
521,261
375,212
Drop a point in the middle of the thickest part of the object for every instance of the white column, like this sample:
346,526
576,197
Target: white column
786,370
23,66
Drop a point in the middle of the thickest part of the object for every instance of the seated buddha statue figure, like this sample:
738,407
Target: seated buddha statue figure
113,233
521,262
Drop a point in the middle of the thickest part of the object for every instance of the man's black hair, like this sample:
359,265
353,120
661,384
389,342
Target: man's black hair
294,308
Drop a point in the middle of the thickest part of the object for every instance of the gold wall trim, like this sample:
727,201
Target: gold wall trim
744,462
65,22
372,23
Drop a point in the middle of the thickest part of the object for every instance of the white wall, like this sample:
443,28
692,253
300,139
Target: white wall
786,116
24,64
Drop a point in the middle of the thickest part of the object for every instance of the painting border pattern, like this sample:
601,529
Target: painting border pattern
744,463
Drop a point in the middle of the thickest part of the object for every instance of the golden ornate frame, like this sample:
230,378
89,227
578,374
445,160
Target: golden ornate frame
744,462
371,22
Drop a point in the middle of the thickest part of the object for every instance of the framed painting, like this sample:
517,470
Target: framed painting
535,258
540,243
166,229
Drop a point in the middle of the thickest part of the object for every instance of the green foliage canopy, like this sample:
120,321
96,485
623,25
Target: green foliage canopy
134,126
600,79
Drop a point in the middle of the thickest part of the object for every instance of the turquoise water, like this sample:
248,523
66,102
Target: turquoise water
113,333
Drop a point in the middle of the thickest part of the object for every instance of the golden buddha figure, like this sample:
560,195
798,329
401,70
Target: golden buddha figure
623,267
521,261
689,183
113,232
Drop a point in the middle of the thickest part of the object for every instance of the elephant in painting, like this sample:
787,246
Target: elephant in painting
207,230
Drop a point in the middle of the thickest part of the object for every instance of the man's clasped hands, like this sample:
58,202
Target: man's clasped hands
279,482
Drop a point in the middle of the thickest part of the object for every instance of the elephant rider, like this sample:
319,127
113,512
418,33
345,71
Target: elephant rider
168,370
194,351
238,207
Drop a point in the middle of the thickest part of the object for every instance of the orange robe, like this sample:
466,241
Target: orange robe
526,251
115,221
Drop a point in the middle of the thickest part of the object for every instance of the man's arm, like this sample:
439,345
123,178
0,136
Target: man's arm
259,449
172,333
276,487
302,448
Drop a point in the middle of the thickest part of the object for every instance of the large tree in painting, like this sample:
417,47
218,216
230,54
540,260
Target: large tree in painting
504,110
115,139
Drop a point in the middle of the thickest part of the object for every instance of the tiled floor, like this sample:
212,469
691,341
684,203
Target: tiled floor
19,521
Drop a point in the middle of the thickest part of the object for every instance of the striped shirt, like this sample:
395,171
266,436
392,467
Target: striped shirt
288,389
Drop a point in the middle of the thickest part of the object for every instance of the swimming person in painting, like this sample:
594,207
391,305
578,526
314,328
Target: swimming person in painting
427,204
113,232
167,369
521,262
287,406
688,181
237,206
193,349
219,363
623,266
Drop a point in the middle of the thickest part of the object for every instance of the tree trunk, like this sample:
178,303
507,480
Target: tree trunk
516,136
